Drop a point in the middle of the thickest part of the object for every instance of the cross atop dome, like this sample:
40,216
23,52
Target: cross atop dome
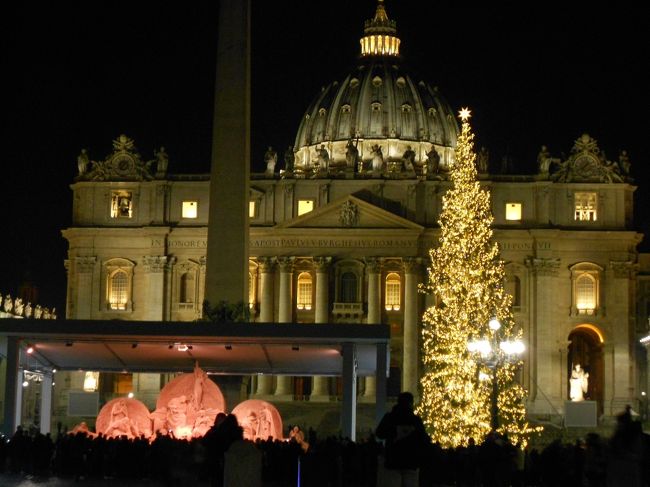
380,34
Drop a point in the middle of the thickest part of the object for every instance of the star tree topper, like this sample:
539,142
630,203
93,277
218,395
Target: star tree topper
464,114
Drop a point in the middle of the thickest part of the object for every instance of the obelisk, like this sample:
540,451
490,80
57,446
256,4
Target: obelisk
227,253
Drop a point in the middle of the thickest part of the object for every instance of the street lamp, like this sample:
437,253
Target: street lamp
493,353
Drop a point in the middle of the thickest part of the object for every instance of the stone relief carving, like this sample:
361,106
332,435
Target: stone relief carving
349,215
124,164
587,163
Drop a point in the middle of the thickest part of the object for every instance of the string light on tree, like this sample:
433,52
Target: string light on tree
467,277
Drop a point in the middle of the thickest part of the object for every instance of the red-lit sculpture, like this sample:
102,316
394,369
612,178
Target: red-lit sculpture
259,419
124,417
187,406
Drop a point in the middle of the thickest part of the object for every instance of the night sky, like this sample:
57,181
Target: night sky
77,76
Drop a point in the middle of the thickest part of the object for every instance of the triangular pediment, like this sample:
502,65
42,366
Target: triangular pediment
350,212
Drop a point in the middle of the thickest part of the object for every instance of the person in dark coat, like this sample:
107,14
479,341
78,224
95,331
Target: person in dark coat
405,440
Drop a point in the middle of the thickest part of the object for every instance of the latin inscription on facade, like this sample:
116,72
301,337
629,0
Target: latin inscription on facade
183,244
332,243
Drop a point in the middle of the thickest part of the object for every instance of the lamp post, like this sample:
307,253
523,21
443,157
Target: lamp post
494,353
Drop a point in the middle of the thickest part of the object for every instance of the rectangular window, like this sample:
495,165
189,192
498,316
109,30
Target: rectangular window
393,292
304,291
305,206
513,212
121,204
585,207
190,209
252,209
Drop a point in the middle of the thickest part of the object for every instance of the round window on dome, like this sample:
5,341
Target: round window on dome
354,82
401,82
376,81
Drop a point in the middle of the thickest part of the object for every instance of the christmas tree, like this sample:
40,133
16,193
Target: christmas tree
467,277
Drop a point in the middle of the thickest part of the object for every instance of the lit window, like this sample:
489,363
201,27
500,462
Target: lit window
585,207
513,211
305,206
118,290
392,292
585,290
121,204
186,294
91,380
252,209
190,209
304,291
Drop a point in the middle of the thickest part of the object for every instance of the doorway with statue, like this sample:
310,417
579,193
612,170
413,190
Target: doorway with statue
585,369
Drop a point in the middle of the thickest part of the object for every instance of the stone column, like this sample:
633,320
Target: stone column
411,320
154,266
265,382
283,390
285,310
373,269
545,362
320,384
83,270
266,285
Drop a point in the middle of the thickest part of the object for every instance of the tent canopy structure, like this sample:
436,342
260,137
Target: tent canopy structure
342,350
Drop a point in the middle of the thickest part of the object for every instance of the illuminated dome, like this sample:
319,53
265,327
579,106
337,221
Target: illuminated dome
378,103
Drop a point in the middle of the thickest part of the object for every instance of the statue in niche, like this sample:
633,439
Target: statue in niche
289,159
351,154
270,159
162,161
433,162
82,162
483,161
377,158
578,383
409,159
322,159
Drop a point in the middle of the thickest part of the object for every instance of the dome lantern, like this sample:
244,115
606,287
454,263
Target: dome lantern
380,35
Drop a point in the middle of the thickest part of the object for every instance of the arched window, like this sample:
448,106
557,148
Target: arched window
348,287
585,293
586,284
187,288
393,292
304,291
118,290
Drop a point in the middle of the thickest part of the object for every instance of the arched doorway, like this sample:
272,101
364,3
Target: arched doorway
586,349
